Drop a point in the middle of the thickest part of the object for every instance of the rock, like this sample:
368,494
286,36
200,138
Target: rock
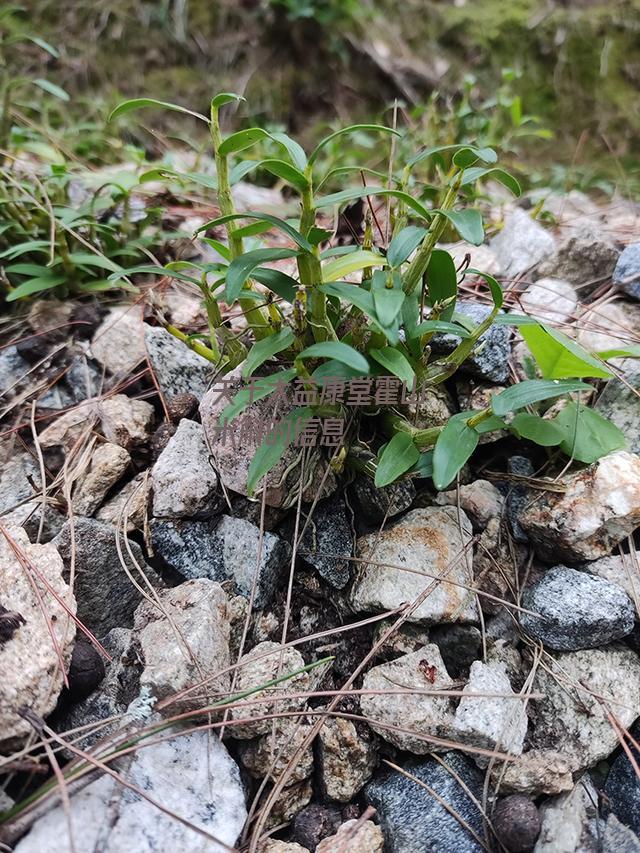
108,464
552,300
576,610
517,496
27,515
619,402
30,658
268,756
490,359
521,244
481,257
177,369
86,670
118,343
428,541
227,550
460,646
264,663
414,721
618,838
608,325
314,823
412,818
433,407
622,787
191,774
185,643
491,721
354,836
481,501
620,570
570,822
184,481
496,566
273,845
328,532
292,800
16,475
516,822
346,759
182,406
126,421
626,275
233,445
572,721
600,507
403,640
68,429
374,504
117,690
538,771
107,597
131,501
585,259
13,371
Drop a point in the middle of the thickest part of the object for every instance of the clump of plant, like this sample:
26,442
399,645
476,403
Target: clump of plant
319,326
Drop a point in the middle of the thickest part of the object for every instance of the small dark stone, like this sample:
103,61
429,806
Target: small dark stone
516,822
86,670
517,495
328,531
626,275
37,346
160,439
86,318
460,646
374,504
490,360
10,621
623,787
314,823
182,406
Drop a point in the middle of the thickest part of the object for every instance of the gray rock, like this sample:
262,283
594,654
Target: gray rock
413,819
570,822
600,507
521,244
374,504
626,275
537,771
118,343
191,774
356,836
106,596
346,759
618,838
126,421
184,481
622,787
269,755
619,569
517,495
15,476
619,402
184,641
460,646
608,325
490,359
576,610
30,658
108,464
481,501
552,300
225,551
571,719
27,515
83,378
177,369
132,501
13,371
430,542
586,259
328,532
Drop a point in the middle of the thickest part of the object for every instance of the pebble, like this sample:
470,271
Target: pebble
626,275
118,342
622,787
576,610
346,759
126,421
551,300
354,836
516,822
490,359
328,532
177,369
521,244
108,465
373,505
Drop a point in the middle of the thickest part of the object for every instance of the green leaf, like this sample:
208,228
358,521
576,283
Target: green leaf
388,303
586,434
280,283
405,242
429,326
51,88
623,352
379,128
257,391
240,269
50,49
241,140
454,447
268,455
335,370
442,281
468,224
88,259
141,103
396,458
354,261
294,150
220,248
263,350
532,391
488,155
28,269
346,170
395,362
363,192
200,178
338,351
424,466
536,429
223,98
35,285
296,236
515,320
25,248
507,180
353,294
288,173
558,356
151,269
